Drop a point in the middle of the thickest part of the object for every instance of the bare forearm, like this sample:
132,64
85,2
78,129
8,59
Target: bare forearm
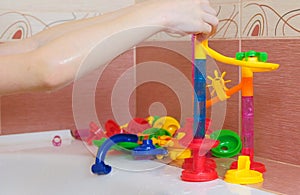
63,56
55,63
45,36
18,74
52,58
54,32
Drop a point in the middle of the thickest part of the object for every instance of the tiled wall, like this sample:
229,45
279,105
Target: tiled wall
248,19
264,25
270,26
277,101
270,19
20,19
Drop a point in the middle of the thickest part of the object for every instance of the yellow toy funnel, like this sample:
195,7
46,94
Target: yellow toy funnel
243,174
255,66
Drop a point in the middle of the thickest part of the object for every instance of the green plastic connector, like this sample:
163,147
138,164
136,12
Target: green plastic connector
261,56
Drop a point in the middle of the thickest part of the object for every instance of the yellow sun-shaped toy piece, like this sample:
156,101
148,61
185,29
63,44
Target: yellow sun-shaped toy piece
218,85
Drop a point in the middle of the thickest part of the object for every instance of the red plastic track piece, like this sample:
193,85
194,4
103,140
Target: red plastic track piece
256,166
95,133
112,128
199,168
137,125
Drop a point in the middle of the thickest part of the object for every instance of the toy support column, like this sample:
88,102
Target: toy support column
248,109
199,167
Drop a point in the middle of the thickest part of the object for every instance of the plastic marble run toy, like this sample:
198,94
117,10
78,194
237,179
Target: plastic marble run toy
250,63
196,167
150,138
199,168
162,138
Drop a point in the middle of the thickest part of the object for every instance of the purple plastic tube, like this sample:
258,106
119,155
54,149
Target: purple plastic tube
248,125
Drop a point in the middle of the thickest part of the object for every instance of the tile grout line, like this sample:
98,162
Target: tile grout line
240,70
0,116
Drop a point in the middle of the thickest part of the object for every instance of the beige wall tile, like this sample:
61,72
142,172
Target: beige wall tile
229,19
19,25
246,19
64,5
269,18
229,26
24,18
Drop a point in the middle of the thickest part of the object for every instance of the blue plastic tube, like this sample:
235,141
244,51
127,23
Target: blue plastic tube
100,168
199,98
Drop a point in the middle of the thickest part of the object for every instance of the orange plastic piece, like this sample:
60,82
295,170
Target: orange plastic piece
163,141
229,93
247,86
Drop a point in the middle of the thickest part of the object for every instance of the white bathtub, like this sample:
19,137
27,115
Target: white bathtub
30,164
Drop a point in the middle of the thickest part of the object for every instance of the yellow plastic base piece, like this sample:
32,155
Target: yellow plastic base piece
243,174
